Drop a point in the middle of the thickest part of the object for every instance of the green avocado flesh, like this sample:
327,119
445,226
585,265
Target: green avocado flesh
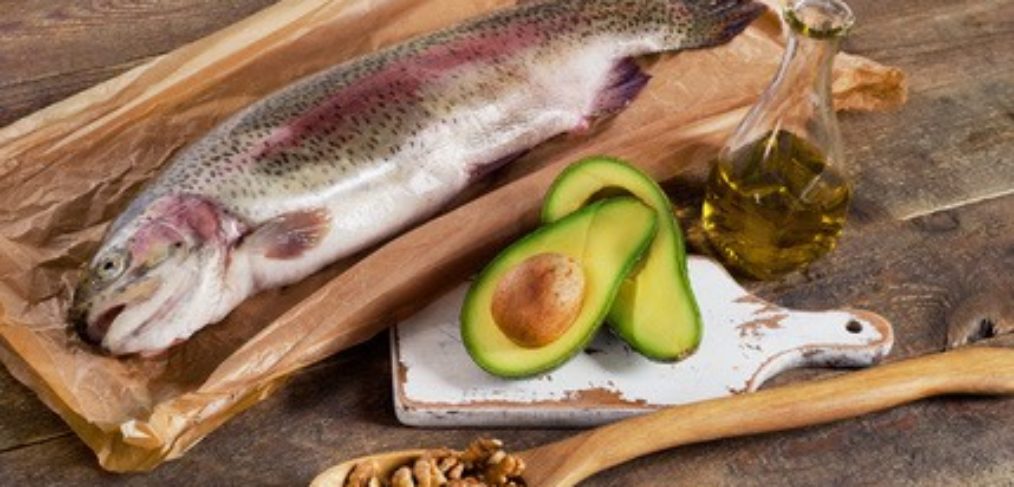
655,311
606,238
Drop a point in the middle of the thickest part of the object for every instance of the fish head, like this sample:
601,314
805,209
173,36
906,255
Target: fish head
157,278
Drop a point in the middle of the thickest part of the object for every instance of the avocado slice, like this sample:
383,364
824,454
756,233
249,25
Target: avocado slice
655,311
606,239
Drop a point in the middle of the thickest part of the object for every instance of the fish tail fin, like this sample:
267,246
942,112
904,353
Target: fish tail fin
706,23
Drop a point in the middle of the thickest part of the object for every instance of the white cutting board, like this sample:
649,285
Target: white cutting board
746,341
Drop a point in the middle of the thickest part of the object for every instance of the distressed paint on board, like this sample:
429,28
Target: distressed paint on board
746,341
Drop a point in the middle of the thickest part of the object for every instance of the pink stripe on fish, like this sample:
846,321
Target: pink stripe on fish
398,83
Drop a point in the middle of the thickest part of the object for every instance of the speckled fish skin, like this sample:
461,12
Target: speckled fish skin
354,154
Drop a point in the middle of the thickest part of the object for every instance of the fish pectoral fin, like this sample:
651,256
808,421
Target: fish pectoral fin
290,235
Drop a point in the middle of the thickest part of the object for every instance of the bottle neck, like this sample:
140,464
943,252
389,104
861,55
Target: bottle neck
807,67
816,28
798,101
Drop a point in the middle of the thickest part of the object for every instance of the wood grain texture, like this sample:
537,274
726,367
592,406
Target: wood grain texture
51,49
24,419
952,143
949,146
968,371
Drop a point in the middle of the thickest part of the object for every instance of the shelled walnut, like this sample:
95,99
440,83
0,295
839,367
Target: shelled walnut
483,464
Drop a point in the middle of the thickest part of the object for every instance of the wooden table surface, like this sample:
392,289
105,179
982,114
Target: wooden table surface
956,132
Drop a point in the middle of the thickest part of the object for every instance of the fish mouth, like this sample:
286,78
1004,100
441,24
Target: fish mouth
93,333
136,340
156,318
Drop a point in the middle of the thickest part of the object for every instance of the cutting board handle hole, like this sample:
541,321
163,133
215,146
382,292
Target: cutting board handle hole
853,326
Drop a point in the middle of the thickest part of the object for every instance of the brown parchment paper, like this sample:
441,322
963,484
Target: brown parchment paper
66,171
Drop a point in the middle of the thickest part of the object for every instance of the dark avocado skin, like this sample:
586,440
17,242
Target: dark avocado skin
612,235
658,316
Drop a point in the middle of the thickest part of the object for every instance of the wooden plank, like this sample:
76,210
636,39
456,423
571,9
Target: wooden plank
950,145
53,49
952,142
24,420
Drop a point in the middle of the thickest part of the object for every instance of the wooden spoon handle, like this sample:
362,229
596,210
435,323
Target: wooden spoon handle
966,371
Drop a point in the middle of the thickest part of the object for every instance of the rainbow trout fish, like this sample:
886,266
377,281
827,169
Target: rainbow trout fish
346,157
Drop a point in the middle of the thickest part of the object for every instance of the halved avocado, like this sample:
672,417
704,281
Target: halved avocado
606,239
655,311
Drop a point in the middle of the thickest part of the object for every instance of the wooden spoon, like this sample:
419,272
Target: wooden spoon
566,462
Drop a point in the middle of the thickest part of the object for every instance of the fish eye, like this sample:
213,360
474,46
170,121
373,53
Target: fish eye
111,266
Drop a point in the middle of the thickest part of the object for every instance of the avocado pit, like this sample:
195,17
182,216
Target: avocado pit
538,300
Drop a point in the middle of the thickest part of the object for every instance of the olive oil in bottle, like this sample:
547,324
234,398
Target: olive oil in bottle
781,210
779,191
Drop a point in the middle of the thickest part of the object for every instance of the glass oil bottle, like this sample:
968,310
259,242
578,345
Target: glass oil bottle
779,190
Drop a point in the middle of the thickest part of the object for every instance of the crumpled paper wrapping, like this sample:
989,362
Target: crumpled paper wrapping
66,171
